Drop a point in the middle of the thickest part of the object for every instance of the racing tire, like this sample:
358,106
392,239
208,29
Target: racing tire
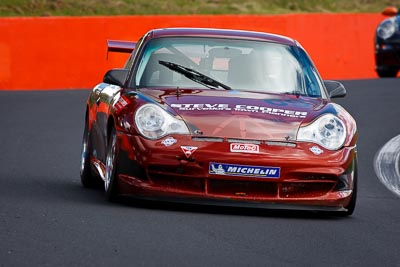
111,181
88,180
387,73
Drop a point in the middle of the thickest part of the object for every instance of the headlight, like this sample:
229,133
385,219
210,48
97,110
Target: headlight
153,122
386,29
328,131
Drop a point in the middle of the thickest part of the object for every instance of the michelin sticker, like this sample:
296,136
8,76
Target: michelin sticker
244,170
242,108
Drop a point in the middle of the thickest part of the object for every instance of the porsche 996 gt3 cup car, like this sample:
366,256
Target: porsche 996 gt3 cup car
217,116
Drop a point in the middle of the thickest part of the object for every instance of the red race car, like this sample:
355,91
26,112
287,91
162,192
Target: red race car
217,116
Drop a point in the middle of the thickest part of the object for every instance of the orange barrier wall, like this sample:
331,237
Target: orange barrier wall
70,52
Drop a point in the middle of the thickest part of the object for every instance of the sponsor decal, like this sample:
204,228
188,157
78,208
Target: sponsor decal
188,150
121,104
242,108
169,141
201,106
244,170
244,148
316,150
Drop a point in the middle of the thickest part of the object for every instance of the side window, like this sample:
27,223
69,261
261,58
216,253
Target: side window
129,62
311,77
131,59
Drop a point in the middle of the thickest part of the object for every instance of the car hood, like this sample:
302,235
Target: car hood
238,114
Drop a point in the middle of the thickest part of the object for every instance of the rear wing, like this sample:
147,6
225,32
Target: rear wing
120,46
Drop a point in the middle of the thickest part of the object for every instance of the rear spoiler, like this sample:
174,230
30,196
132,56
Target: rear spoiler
120,46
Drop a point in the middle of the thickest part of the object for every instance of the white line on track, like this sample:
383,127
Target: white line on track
386,164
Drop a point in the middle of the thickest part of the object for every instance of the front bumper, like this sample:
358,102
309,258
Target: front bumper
150,169
387,55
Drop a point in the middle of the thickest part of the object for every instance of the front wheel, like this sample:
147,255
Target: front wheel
387,73
110,181
87,178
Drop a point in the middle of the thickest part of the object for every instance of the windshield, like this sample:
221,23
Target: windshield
242,65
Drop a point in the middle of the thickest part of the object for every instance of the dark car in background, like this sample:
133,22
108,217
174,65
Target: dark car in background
387,44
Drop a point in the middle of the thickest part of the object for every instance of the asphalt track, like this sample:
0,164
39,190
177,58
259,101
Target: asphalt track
48,219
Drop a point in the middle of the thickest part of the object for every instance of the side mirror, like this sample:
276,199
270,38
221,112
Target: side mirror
390,11
335,89
116,77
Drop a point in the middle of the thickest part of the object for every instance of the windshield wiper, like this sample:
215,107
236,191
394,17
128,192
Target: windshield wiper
296,92
194,75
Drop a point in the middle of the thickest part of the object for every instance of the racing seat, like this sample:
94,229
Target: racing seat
245,72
